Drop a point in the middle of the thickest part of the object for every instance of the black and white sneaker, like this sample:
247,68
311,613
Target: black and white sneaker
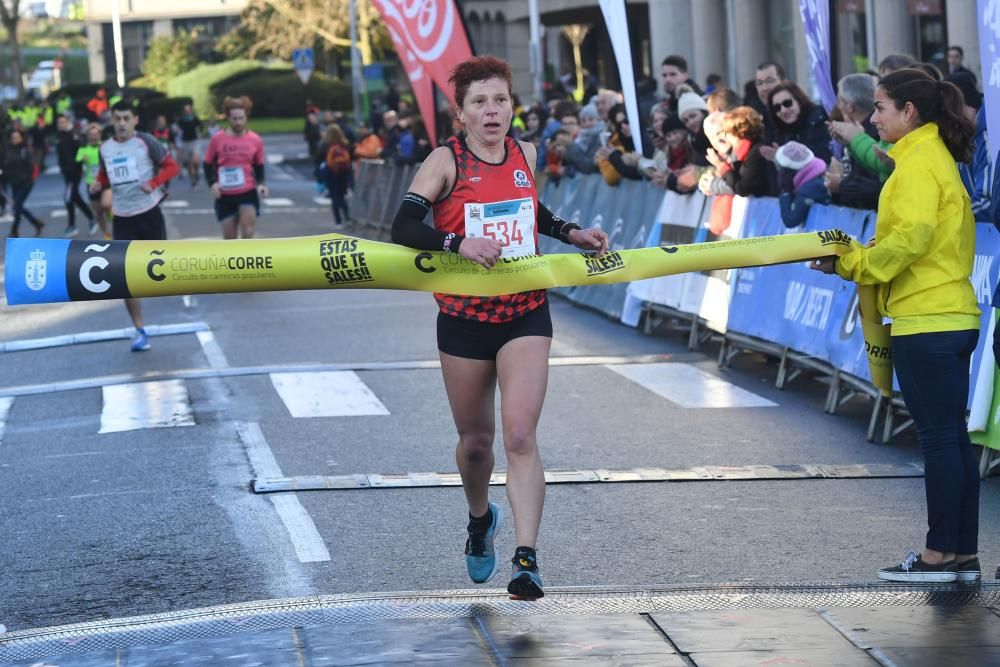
914,570
968,571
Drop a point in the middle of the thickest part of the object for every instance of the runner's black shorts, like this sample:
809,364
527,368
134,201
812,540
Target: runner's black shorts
472,339
227,206
148,226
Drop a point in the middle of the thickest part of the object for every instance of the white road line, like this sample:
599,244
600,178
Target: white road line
322,201
309,546
690,387
162,404
213,352
190,301
58,213
100,336
278,201
276,209
308,543
5,404
326,394
174,203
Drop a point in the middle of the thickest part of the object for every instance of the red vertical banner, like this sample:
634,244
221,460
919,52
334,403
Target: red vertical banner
430,40
420,82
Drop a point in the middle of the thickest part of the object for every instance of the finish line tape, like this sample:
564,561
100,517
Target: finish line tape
58,270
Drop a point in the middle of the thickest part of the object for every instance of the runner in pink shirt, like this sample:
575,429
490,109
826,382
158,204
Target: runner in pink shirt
234,168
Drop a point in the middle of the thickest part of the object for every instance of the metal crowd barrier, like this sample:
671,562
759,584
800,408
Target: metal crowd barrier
701,305
379,187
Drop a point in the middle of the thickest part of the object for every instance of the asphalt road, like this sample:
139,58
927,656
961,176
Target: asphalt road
103,525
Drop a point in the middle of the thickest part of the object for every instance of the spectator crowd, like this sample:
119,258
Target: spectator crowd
772,140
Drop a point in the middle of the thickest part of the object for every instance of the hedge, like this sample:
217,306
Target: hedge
278,92
197,83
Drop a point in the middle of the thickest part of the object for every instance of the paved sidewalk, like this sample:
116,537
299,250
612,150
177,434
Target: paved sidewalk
707,626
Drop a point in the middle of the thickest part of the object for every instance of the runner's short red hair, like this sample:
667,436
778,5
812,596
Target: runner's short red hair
241,102
479,68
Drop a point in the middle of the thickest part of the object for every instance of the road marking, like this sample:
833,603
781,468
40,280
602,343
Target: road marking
58,213
306,540
242,371
100,336
190,301
326,394
690,387
213,352
162,404
211,211
277,484
323,201
5,404
278,201
174,203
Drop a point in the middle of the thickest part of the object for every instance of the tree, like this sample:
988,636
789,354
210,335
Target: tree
169,57
10,14
277,27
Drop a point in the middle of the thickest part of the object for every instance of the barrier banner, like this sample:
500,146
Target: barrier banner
678,218
56,270
805,310
985,429
625,213
706,293
985,275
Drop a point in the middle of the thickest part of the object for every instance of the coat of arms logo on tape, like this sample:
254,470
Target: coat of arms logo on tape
35,270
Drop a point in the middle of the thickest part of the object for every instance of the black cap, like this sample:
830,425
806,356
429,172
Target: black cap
672,122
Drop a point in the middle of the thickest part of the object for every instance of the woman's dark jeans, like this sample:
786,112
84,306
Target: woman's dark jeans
933,374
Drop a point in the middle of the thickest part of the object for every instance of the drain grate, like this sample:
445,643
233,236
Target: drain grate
347,608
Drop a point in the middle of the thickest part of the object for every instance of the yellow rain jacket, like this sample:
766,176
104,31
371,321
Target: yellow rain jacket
925,239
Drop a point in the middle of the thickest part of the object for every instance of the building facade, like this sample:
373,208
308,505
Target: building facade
725,37
142,20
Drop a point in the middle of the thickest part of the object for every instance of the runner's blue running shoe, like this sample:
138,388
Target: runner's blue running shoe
140,343
480,556
525,582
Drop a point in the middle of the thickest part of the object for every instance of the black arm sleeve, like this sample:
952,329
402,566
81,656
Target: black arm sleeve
408,227
554,226
209,173
258,174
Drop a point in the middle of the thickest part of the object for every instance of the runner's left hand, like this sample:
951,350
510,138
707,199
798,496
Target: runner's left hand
146,187
262,190
592,239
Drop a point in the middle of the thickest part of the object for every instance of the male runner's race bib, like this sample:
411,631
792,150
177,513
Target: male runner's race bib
510,223
231,177
122,170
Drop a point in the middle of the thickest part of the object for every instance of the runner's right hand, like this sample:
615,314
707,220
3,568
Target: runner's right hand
482,251
216,190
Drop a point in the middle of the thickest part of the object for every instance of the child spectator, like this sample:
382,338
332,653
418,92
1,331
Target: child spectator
800,179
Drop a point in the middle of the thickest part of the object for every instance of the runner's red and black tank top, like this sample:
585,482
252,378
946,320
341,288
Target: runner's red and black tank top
481,182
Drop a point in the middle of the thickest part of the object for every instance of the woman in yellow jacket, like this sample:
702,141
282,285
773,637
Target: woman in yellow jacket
920,261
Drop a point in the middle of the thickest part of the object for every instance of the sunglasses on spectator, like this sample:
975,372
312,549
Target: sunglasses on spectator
787,104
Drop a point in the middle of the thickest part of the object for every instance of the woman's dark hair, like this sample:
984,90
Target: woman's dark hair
935,102
806,105
613,115
613,112
931,69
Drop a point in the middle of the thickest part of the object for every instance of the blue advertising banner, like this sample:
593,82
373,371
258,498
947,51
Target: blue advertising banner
988,12
794,306
816,20
985,275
